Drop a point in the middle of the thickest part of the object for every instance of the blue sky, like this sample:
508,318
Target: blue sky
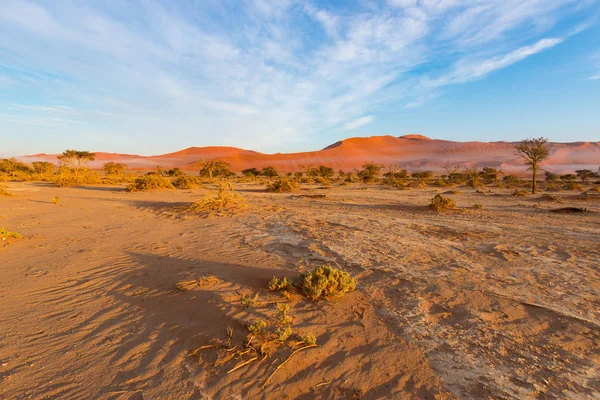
153,76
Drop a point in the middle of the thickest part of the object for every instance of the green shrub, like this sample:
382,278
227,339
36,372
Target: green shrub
282,185
277,284
440,203
325,282
150,182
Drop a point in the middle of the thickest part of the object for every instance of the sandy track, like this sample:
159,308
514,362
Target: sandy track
501,302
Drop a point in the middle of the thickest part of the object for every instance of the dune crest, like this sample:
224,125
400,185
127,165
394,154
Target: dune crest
414,152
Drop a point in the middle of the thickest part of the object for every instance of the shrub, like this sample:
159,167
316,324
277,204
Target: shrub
325,282
186,182
225,198
595,189
277,284
370,172
282,185
114,169
572,186
258,327
150,182
69,177
43,168
55,200
550,197
440,203
308,339
5,235
214,168
477,206
269,172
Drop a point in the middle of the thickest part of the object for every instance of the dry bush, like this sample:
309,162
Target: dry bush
595,189
5,235
440,203
4,192
55,200
520,193
226,198
550,197
69,176
282,185
477,206
325,282
150,182
573,186
186,182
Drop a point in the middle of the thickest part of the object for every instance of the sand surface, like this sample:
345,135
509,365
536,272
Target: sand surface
502,302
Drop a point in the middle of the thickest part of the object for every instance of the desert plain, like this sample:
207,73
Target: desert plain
498,302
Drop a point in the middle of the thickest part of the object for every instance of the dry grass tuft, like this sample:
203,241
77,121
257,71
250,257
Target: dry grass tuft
226,198
282,185
55,200
5,235
520,193
184,286
4,192
477,206
440,203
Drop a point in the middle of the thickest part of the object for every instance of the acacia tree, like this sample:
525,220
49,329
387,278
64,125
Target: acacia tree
213,168
76,159
534,152
370,172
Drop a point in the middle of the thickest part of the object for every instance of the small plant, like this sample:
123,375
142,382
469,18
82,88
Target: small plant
519,193
4,192
55,200
5,235
149,182
283,333
248,300
595,189
477,206
440,203
257,328
325,282
225,198
277,284
283,308
282,185
308,339
550,197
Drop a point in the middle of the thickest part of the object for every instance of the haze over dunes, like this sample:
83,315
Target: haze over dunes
415,152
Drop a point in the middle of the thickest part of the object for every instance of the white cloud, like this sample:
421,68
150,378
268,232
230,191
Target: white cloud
258,74
357,123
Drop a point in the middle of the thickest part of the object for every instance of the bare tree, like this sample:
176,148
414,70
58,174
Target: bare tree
534,152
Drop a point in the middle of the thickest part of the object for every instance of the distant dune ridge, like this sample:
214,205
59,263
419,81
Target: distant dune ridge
413,152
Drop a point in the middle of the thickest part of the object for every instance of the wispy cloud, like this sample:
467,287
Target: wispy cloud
259,73
357,123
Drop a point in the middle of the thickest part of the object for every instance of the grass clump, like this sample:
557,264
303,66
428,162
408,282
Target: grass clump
477,206
186,182
325,282
277,285
55,200
282,185
225,198
5,235
441,203
149,182
4,192
247,301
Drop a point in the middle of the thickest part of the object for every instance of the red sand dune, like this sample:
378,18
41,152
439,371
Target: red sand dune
413,152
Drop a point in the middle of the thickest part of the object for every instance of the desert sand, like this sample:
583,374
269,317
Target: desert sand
502,302
413,152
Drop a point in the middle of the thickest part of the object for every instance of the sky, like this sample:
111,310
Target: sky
156,76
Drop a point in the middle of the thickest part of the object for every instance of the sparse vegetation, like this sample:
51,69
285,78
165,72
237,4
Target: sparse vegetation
213,169
55,200
282,185
277,284
5,235
225,198
441,203
370,172
325,282
4,192
150,182
113,169
477,206
519,193
186,182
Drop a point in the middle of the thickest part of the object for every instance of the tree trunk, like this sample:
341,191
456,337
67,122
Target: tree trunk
534,178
